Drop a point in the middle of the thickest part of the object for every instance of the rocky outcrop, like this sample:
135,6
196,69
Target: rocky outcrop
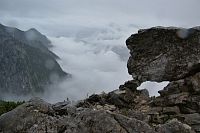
39,116
164,54
160,54
169,54
174,126
127,96
180,99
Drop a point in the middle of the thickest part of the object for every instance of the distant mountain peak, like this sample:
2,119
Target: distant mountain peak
27,65
35,31
32,29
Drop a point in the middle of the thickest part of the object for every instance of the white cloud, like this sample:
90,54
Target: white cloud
153,87
66,16
94,65
92,34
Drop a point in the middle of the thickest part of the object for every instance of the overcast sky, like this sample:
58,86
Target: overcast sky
61,17
89,35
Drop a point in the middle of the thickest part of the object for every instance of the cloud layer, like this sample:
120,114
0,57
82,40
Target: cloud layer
96,61
89,35
64,17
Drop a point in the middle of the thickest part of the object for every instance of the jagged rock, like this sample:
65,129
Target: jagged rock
174,87
134,114
174,126
192,119
169,54
61,108
171,110
134,126
39,116
193,83
162,54
25,116
158,101
131,84
105,107
127,96
61,105
171,100
144,92
176,99
190,105
158,119
189,84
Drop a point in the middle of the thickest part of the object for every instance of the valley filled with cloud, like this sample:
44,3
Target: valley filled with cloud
89,36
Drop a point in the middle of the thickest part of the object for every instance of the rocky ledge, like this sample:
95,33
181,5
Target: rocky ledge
157,54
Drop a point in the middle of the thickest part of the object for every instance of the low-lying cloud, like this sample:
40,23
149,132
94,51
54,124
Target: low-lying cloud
89,36
97,62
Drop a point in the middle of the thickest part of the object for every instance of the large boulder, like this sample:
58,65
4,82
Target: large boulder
164,54
169,54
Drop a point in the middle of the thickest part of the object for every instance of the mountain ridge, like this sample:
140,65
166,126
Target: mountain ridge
27,67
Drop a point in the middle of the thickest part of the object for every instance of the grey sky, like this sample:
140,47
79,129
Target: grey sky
60,17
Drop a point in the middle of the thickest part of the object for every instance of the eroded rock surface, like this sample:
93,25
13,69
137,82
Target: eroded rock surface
169,54
38,116
164,54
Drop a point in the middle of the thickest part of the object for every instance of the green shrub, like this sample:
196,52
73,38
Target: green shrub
8,106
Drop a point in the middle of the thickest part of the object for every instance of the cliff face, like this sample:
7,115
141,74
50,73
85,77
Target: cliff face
157,54
27,65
